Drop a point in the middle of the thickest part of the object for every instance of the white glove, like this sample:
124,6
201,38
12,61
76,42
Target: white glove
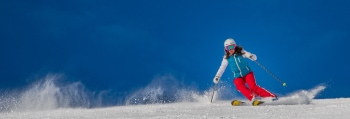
216,79
250,56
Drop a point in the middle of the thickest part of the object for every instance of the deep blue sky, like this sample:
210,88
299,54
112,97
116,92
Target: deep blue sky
122,45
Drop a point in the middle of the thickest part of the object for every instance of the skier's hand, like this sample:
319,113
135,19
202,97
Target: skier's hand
216,79
250,56
253,57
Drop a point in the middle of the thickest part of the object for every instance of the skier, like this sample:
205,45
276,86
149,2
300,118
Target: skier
235,58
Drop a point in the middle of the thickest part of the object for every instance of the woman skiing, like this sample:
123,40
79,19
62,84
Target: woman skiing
242,74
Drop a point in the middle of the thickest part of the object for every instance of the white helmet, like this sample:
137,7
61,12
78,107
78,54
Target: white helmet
229,41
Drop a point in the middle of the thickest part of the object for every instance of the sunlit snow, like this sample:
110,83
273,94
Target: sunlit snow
46,100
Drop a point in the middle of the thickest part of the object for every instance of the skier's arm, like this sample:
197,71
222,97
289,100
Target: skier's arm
249,55
221,70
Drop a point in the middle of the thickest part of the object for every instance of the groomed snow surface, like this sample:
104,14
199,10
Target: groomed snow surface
297,105
318,109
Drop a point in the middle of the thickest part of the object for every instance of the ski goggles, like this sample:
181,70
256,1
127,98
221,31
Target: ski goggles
229,47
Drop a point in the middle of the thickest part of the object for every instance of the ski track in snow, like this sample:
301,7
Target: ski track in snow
299,104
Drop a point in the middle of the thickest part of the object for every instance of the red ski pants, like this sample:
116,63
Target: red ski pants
253,89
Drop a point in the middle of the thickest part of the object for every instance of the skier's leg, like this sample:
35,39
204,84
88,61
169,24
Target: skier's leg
241,87
250,79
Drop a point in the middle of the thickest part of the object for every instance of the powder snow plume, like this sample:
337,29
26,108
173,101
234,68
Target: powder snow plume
299,97
48,93
163,89
167,89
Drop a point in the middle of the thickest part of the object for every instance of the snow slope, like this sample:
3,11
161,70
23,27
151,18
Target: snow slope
318,109
299,104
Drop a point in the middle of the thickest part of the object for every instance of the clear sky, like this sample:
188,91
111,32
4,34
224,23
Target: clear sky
122,45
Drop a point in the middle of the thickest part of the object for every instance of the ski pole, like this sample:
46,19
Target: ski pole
212,96
283,83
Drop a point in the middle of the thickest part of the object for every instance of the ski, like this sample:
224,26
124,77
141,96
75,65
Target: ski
257,102
242,103
237,103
